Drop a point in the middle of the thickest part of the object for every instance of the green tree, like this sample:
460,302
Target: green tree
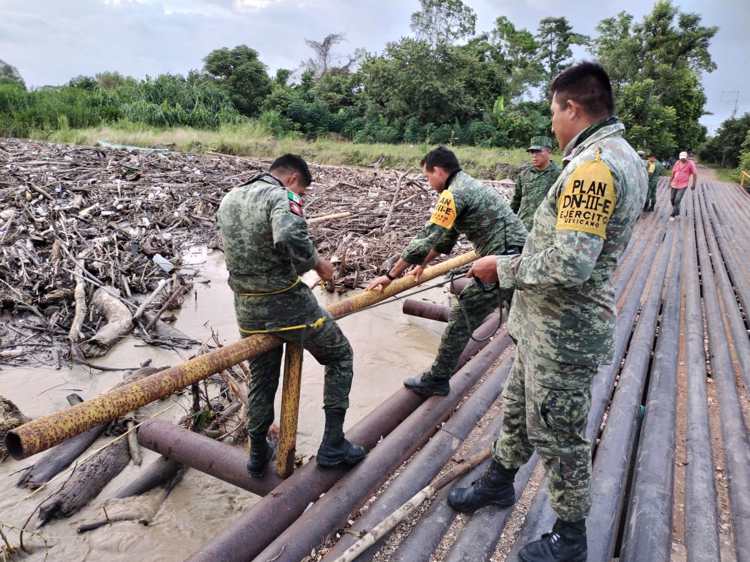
726,146
650,124
673,39
744,156
439,86
658,62
442,22
10,75
282,76
555,37
242,75
519,52
113,80
618,48
83,82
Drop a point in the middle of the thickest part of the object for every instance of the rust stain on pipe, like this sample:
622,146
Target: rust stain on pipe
46,432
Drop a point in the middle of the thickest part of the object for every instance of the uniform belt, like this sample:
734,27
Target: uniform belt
268,293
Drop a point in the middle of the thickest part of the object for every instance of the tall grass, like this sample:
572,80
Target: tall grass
251,138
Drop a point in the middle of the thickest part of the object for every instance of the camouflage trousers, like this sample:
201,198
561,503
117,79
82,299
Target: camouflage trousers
650,197
327,344
545,408
473,306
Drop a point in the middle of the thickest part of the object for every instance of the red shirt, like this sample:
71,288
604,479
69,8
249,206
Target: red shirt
681,173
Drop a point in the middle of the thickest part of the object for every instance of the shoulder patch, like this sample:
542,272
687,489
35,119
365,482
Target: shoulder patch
588,199
295,203
444,213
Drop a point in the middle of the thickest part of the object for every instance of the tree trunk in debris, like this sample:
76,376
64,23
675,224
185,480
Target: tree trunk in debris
87,481
119,323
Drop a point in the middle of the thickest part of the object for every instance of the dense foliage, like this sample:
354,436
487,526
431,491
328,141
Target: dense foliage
447,83
731,140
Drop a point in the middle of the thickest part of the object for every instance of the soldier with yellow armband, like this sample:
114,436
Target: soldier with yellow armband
482,214
563,313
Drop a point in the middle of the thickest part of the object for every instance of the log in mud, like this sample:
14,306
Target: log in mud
87,481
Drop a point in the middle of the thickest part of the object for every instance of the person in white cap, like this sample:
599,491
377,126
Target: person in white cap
682,171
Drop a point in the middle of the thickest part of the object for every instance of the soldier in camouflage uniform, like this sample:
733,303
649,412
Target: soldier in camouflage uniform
481,213
534,181
563,311
654,170
267,247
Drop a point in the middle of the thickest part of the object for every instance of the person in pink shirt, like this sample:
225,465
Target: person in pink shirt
682,171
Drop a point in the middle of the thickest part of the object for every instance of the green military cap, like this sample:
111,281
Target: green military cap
642,153
538,143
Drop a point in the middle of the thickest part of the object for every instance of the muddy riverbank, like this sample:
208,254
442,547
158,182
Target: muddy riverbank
388,347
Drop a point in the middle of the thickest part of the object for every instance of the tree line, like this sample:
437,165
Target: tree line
447,82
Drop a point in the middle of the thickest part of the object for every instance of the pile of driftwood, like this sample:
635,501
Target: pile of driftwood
90,234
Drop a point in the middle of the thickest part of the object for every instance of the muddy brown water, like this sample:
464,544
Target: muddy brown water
388,346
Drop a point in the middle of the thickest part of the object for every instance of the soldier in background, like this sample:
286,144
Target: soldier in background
267,247
654,169
563,312
482,214
534,181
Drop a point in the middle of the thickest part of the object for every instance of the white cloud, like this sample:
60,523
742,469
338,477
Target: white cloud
254,4
123,2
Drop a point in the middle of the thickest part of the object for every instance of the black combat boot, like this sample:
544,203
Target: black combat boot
261,451
566,543
424,386
335,450
494,487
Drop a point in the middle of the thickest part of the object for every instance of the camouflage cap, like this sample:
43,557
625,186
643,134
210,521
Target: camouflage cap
538,143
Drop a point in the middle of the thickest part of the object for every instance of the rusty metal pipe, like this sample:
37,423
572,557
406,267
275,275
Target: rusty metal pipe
205,454
422,468
228,463
427,310
45,432
250,533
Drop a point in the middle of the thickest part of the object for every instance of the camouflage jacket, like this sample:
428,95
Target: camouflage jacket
654,170
532,186
468,207
266,242
564,303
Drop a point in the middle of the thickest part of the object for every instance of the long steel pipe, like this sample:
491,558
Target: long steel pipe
205,454
701,509
228,463
427,310
735,440
249,534
540,516
648,532
615,451
331,511
45,432
421,469
424,538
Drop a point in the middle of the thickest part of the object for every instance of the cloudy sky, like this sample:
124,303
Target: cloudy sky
50,41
